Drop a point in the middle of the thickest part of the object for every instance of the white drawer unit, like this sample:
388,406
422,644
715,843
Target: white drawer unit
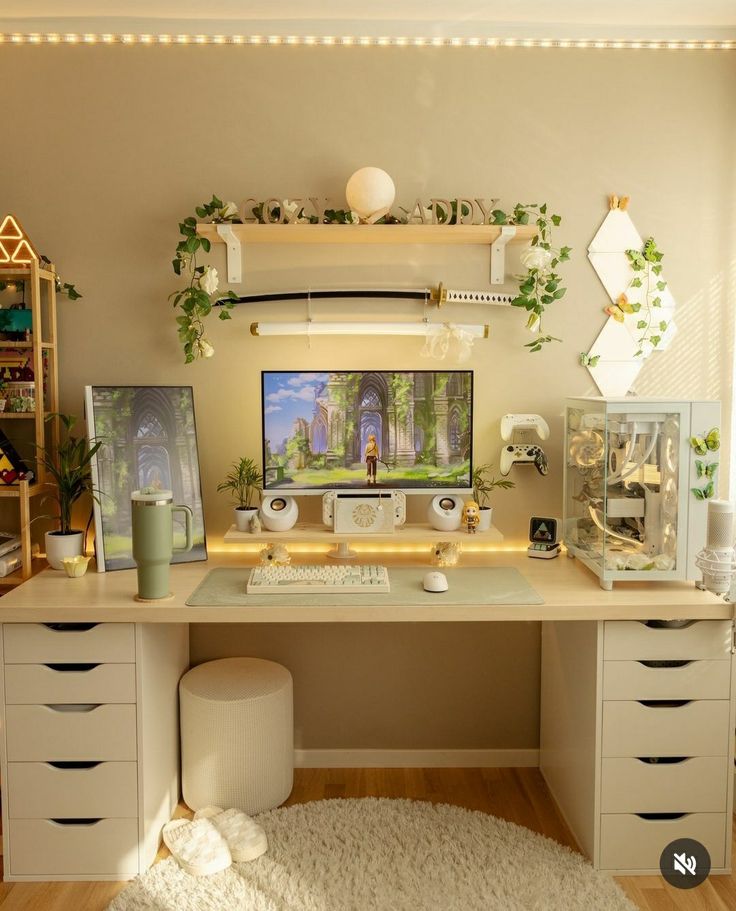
636,739
695,785
43,790
669,679
73,848
42,684
90,752
698,728
630,842
39,733
698,639
45,643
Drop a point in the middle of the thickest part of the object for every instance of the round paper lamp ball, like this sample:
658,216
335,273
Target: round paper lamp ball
370,192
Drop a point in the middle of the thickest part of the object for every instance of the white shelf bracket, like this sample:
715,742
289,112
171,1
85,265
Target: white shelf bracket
498,254
233,253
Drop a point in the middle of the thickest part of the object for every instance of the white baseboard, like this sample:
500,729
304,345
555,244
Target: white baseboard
415,759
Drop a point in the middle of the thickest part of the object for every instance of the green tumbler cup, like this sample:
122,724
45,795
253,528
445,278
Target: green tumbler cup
153,540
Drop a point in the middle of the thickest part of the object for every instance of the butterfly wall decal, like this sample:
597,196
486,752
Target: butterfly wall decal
618,202
587,361
710,441
705,469
704,493
621,308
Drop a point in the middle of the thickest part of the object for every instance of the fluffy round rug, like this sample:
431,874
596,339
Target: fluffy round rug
386,855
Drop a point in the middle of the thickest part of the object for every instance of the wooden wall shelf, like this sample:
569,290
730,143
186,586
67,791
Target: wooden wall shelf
494,236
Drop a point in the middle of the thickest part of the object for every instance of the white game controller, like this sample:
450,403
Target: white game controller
522,453
512,422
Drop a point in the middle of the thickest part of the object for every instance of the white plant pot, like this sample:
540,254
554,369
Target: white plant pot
60,546
243,517
485,515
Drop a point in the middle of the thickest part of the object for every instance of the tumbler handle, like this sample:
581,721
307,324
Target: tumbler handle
187,527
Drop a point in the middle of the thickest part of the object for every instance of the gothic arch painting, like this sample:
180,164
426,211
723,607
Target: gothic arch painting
150,440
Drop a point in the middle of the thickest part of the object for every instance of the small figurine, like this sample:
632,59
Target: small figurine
275,555
471,516
372,456
254,526
446,553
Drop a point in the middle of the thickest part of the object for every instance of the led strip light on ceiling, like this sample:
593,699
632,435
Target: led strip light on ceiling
74,38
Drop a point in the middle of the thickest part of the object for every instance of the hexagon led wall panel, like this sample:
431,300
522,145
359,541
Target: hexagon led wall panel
642,306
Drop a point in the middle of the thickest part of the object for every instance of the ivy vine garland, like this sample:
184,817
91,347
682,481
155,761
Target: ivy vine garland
540,286
195,300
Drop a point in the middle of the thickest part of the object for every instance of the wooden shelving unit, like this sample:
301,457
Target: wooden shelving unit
41,288
496,237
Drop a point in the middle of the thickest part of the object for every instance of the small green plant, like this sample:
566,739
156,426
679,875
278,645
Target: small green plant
70,467
243,482
484,483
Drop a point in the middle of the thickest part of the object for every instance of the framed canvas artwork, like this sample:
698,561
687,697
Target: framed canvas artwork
149,439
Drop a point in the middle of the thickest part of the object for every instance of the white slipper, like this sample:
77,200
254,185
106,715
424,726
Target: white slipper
245,838
197,846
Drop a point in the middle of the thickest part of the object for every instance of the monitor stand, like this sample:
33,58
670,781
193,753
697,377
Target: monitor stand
342,551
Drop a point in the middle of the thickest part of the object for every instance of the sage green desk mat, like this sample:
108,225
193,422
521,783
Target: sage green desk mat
225,587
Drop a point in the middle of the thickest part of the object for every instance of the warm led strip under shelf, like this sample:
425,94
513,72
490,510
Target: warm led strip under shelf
362,41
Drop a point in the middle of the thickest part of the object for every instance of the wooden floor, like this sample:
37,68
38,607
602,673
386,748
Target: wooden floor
519,795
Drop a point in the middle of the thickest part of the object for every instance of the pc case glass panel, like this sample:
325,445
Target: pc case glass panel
621,488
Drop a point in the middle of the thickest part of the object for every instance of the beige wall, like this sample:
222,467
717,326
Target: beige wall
116,144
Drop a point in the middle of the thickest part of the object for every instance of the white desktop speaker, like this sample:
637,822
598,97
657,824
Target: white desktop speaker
278,513
445,512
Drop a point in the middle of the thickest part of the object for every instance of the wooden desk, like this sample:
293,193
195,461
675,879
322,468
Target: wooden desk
601,672
570,592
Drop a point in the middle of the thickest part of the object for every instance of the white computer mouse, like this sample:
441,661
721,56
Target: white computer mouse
435,582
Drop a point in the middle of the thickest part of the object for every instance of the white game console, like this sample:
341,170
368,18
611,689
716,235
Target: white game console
364,512
511,423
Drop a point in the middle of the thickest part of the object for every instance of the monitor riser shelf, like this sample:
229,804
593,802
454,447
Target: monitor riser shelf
316,533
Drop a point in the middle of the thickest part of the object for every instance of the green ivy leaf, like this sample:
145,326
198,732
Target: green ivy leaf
642,324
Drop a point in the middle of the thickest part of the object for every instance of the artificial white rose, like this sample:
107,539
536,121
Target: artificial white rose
209,280
229,210
536,258
205,349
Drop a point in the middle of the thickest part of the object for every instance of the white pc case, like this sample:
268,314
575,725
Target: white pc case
638,475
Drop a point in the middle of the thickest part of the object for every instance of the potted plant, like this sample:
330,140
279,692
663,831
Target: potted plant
243,481
483,485
70,469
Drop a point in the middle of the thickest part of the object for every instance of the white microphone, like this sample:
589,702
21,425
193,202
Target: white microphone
716,560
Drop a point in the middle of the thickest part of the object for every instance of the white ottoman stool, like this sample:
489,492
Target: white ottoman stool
237,734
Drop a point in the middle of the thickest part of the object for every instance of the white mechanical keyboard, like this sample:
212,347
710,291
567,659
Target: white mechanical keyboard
302,580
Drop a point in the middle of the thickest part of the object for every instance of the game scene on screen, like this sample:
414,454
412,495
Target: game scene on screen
406,429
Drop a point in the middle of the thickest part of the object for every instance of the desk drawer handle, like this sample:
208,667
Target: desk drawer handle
70,627
663,760
665,664
661,817
74,708
663,703
71,668
74,764
77,822
672,625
